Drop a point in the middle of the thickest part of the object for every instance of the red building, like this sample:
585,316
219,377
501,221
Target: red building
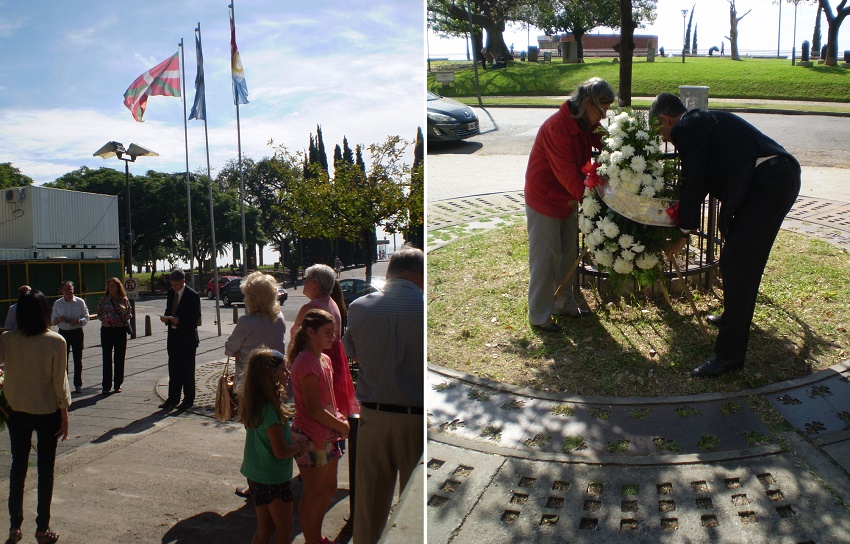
599,45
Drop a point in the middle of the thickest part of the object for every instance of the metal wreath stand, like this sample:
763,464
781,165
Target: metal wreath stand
701,257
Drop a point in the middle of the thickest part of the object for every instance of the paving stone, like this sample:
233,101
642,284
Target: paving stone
761,501
456,479
810,408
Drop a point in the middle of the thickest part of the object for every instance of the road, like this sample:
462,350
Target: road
814,139
500,152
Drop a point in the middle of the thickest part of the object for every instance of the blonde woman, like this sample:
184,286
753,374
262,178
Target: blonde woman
262,325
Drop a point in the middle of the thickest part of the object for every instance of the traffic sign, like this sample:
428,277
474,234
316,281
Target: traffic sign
132,288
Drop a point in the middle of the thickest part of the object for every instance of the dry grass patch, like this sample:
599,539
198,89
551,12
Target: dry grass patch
632,346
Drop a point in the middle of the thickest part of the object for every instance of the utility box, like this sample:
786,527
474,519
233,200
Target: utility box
694,96
46,223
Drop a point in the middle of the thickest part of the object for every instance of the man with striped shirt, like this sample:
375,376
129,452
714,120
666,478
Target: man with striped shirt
386,336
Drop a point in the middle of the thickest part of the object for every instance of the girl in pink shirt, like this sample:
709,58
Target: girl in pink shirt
316,417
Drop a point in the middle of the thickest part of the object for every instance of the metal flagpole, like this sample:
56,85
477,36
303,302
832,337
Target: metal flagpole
214,251
244,266
188,192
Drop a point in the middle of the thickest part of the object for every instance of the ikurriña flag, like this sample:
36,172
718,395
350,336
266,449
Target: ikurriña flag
240,87
161,80
199,108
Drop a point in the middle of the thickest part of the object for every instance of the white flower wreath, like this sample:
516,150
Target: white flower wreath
629,172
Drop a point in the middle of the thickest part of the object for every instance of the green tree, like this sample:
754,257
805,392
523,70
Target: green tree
414,230
833,24
694,47
12,177
816,38
355,201
688,32
450,17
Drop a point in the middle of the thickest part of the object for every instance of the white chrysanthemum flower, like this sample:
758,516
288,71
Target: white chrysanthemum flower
622,266
588,191
590,206
585,224
627,255
626,241
610,228
627,151
646,261
616,158
648,192
638,163
637,248
604,157
614,142
601,170
642,135
622,117
604,258
614,180
632,186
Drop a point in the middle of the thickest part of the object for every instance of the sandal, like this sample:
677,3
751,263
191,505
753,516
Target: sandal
15,536
46,537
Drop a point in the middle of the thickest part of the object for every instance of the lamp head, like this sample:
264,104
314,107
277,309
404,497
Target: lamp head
109,150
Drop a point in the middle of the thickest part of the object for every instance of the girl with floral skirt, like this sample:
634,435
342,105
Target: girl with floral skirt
316,418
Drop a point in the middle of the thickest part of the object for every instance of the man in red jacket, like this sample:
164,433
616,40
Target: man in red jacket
554,185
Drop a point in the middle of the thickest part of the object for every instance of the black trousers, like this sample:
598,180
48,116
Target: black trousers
181,368
113,340
21,426
74,339
746,249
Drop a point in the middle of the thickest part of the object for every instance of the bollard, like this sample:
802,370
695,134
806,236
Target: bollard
148,331
235,314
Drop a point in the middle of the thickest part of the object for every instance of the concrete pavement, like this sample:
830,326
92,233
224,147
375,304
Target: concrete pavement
131,472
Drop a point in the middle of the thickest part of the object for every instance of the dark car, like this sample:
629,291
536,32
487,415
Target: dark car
223,281
232,293
450,120
353,288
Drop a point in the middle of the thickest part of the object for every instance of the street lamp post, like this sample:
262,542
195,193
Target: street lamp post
684,15
116,149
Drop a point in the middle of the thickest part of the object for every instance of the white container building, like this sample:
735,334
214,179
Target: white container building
46,223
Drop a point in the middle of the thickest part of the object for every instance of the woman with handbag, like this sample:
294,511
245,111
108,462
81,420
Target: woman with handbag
114,313
262,325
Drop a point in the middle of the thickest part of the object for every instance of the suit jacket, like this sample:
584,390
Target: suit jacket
718,151
188,312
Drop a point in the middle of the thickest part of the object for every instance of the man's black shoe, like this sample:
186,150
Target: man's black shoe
715,366
713,319
184,406
167,405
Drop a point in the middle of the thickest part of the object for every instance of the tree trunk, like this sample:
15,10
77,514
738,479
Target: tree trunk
627,47
578,35
496,42
733,32
833,26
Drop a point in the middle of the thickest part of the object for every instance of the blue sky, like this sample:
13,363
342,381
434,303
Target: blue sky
354,67
758,31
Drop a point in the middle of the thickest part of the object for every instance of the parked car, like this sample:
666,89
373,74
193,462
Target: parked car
232,293
223,281
353,288
450,120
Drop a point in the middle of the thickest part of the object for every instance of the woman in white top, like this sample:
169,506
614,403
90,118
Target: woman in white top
263,323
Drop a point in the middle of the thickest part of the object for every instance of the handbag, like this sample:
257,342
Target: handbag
224,406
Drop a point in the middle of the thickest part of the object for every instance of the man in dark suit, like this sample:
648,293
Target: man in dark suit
757,181
182,313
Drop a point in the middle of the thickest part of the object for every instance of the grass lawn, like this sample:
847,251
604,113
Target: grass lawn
749,78
478,324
